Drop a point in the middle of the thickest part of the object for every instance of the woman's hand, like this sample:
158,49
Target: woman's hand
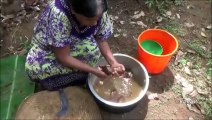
117,68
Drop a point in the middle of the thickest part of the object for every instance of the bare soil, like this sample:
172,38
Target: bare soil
168,104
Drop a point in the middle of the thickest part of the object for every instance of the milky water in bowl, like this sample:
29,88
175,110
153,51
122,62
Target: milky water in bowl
117,89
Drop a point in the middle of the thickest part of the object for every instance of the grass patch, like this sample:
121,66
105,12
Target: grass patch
162,5
174,28
197,46
209,67
177,89
25,43
206,103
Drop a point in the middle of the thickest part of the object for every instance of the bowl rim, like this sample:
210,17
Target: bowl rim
140,96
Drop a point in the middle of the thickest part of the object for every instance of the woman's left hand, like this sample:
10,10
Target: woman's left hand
117,68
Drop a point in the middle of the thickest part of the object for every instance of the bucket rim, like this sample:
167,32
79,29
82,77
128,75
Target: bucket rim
175,39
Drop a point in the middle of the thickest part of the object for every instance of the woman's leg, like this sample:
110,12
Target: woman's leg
61,81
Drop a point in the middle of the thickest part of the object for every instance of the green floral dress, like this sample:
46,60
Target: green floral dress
57,27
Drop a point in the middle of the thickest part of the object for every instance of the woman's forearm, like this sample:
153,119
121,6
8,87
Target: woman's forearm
72,62
106,52
63,56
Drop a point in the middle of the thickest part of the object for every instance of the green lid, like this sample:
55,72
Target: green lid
152,47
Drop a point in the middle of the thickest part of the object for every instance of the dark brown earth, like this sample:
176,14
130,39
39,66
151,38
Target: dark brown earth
168,104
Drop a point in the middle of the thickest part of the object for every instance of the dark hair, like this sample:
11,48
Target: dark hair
88,8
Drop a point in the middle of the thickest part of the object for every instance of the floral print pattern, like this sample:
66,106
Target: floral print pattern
55,28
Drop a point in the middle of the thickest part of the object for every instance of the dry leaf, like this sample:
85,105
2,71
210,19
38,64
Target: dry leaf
132,22
178,57
121,22
153,96
116,35
189,24
124,35
6,17
168,13
136,12
136,16
203,34
178,16
159,19
209,27
191,51
140,23
187,70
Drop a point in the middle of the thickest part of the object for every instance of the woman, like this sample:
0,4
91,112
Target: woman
69,38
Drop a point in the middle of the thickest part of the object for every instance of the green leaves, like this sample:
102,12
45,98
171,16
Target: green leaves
14,85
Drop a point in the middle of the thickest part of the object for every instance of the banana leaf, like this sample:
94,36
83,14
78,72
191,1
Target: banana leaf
14,84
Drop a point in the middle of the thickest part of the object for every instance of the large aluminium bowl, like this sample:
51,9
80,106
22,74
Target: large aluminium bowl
140,75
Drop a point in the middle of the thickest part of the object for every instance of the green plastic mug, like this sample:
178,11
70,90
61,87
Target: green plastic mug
152,47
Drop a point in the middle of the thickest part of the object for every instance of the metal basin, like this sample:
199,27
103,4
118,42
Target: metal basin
140,74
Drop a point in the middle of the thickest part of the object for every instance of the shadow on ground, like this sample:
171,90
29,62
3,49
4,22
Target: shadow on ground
139,112
161,82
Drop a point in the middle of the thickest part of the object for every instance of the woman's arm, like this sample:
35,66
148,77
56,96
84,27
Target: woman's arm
63,56
106,52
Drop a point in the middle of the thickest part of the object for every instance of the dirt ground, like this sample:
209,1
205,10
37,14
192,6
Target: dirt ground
169,102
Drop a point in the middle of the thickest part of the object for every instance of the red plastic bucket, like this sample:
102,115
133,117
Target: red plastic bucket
156,63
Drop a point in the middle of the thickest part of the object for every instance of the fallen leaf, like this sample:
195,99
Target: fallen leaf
36,8
116,35
203,29
191,51
6,17
189,24
194,93
178,16
134,38
190,7
178,57
153,96
188,89
168,13
203,47
159,19
209,27
121,22
187,70
132,22
202,92
190,118
156,27
136,16
140,23
136,12
203,34
124,35
119,30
